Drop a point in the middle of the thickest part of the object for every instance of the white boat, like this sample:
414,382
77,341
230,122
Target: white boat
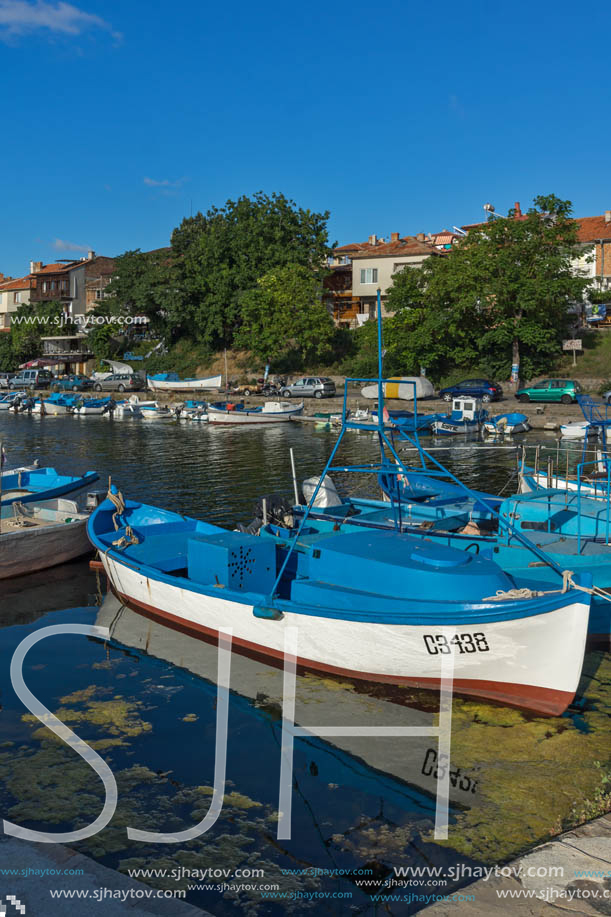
35,536
507,424
157,413
374,606
402,387
197,415
171,382
131,407
467,417
270,412
9,399
93,406
577,430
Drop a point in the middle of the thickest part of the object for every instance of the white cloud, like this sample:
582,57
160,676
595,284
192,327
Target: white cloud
164,182
61,245
18,17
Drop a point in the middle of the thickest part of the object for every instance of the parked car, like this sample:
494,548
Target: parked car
120,382
310,387
5,379
564,390
607,397
77,382
473,388
32,378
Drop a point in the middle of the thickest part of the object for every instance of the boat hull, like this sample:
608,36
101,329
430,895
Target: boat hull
34,549
447,428
216,415
532,662
184,385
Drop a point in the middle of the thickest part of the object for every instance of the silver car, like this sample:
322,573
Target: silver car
310,387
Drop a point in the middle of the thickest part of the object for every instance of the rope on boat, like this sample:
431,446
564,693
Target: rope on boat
21,513
119,504
567,583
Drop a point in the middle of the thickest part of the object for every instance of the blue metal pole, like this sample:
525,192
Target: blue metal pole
380,376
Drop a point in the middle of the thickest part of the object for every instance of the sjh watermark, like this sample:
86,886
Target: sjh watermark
289,732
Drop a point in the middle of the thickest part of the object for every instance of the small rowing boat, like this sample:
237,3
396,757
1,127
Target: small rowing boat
270,412
35,536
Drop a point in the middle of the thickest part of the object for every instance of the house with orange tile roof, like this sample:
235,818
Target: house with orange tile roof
78,284
359,268
13,293
594,234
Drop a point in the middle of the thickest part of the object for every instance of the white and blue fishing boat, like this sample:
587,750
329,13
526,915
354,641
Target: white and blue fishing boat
9,399
467,417
375,605
88,407
171,382
56,404
42,484
228,412
506,424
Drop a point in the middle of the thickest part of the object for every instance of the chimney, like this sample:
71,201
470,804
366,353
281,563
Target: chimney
373,240
35,266
607,216
90,255
518,212
394,237
421,237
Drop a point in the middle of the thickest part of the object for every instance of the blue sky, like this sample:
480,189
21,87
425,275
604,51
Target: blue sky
119,118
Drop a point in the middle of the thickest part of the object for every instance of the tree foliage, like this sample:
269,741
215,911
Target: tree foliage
219,256
284,314
195,289
500,296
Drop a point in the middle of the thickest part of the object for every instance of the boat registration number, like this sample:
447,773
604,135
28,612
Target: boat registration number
466,643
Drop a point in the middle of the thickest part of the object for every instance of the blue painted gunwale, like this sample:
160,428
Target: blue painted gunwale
420,613
44,484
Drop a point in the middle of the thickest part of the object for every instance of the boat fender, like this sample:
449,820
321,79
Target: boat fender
267,613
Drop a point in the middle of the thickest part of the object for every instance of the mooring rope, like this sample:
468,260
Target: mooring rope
119,503
567,583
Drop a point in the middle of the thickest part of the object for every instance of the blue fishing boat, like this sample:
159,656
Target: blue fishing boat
410,421
506,424
467,417
57,403
93,406
381,606
42,484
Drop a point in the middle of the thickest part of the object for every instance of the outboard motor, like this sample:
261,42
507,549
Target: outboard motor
278,511
327,495
93,499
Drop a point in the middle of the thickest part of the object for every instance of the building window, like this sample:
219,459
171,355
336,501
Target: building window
44,286
369,275
17,297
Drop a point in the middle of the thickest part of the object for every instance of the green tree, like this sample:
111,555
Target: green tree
7,360
218,256
31,323
285,315
499,297
143,283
